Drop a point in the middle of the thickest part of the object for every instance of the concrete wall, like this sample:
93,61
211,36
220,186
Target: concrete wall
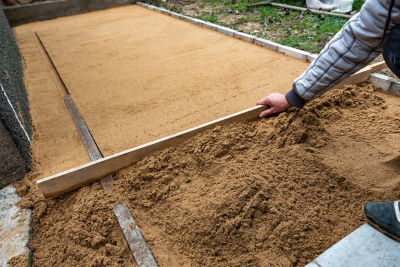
12,165
38,11
14,107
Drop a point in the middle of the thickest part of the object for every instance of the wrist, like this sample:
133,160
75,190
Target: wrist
293,98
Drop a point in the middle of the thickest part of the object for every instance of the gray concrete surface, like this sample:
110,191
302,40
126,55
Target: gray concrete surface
12,165
15,228
38,11
14,104
366,246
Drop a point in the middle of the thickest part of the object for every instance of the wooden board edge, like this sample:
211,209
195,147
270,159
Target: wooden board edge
90,172
85,174
361,75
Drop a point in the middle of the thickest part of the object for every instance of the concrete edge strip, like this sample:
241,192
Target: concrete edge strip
289,51
385,83
15,113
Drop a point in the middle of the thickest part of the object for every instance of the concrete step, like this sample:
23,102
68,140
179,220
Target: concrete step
15,230
364,247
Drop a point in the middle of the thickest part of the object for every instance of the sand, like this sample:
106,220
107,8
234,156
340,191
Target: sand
56,145
277,191
138,75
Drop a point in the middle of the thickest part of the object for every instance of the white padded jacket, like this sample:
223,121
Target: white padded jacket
352,48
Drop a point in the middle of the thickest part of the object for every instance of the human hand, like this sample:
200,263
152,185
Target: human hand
276,102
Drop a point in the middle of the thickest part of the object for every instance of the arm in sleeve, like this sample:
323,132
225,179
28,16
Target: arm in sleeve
352,48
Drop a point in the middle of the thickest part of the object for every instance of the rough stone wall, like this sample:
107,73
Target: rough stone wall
14,104
45,10
12,165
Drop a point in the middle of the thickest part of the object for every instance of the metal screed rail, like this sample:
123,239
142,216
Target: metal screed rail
135,240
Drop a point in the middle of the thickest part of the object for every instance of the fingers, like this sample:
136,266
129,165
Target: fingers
266,112
276,103
264,101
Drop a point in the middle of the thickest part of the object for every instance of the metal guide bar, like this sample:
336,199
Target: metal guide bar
57,78
87,139
134,238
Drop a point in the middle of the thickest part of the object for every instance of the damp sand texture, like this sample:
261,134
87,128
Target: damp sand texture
274,192
278,191
137,75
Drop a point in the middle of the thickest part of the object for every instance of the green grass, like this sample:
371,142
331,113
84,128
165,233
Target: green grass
357,4
297,31
306,31
213,18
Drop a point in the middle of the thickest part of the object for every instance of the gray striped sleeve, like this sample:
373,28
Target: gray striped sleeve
353,47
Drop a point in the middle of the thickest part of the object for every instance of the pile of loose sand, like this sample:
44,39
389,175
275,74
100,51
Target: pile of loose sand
277,191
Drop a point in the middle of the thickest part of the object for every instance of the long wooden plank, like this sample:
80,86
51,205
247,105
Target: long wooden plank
362,75
90,172
85,174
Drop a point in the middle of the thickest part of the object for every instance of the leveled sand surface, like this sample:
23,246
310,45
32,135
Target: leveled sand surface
137,75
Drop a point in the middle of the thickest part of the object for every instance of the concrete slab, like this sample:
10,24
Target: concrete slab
185,18
366,246
311,57
225,30
165,12
293,52
210,26
175,15
197,22
267,44
15,230
380,81
396,87
244,36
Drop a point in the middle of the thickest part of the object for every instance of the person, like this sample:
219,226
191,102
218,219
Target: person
372,31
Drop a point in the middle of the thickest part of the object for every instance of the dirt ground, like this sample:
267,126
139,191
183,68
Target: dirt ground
277,191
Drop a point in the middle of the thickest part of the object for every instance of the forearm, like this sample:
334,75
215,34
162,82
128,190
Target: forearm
356,45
